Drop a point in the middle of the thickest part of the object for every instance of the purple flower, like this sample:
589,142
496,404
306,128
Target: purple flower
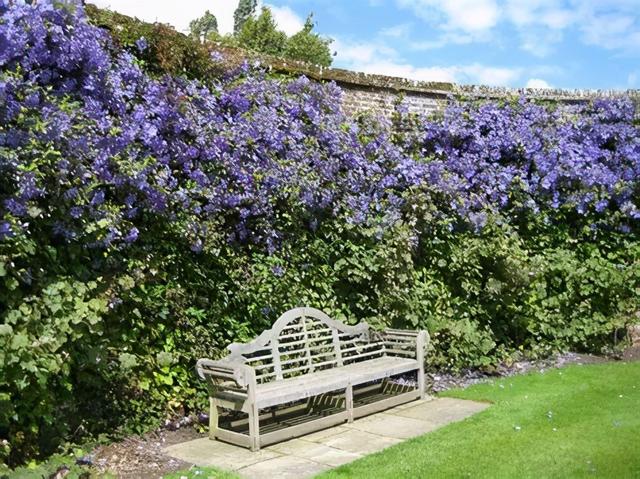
75,212
5,230
98,198
197,246
132,235
141,44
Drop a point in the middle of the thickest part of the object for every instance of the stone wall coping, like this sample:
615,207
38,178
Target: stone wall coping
375,81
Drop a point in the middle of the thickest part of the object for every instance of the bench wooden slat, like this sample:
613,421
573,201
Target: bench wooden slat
293,361
315,332
303,342
359,357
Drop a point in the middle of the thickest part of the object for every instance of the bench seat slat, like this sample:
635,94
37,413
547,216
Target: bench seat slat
308,385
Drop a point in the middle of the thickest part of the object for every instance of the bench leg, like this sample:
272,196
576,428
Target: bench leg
421,345
254,428
348,394
421,382
213,418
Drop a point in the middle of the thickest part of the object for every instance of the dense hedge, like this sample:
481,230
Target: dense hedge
147,220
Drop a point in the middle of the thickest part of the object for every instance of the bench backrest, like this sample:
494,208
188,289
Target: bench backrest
304,340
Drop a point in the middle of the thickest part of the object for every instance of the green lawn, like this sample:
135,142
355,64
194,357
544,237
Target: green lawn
580,421
202,473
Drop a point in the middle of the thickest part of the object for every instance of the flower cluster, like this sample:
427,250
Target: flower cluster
586,158
93,146
86,132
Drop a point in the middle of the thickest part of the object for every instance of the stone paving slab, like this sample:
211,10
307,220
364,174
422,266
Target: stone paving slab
205,452
322,450
283,467
394,426
443,411
318,452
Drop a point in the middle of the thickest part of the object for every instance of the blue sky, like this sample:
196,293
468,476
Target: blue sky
540,43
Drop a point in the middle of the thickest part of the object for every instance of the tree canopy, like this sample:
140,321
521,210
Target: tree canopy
246,9
261,34
201,28
308,46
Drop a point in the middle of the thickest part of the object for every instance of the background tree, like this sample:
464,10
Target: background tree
201,28
308,46
262,35
245,11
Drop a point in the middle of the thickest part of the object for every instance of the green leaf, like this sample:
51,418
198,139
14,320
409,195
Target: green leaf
5,329
127,361
11,284
19,341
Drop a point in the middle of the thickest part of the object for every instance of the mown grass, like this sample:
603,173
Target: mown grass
202,473
579,421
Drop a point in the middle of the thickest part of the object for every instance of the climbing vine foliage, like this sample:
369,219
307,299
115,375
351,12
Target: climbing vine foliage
150,218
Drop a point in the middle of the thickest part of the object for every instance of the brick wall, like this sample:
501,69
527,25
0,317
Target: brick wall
358,99
372,97
379,94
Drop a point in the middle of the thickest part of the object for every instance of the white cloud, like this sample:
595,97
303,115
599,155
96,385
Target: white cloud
472,16
632,79
547,13
539,42
448,38
378,58
353,53
611,24
611,31
287,20
537,83
487,75
405,70
540,24
397,31
557,18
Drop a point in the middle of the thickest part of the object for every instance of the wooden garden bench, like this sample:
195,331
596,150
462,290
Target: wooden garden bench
312,364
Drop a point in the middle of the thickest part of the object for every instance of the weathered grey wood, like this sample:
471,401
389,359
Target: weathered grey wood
421,345
400,352
307,355
387,403
213,417
254,427
233,437
302,429
335,338
302,387
348,394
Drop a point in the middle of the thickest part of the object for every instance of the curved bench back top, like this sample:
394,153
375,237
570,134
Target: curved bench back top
304,340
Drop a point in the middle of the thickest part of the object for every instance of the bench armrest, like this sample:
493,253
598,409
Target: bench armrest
402,342
244,376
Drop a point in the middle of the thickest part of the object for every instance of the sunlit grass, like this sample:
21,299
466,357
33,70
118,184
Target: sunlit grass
580,421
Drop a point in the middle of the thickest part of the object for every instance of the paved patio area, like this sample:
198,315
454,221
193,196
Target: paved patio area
309,455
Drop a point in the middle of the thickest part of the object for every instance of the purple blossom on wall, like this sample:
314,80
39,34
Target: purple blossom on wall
118,147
